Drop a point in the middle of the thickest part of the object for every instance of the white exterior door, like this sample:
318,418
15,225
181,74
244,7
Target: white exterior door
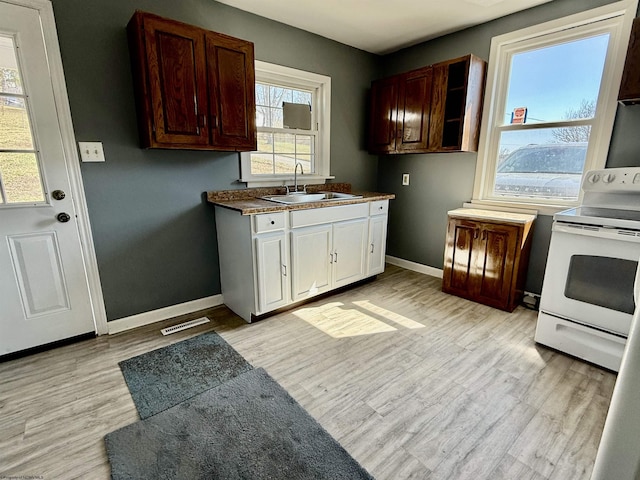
44,294
272,266
349,247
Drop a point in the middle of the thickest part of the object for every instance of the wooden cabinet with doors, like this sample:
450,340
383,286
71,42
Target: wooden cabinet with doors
456,104
431,109
399,117
486,256
630,84
195,89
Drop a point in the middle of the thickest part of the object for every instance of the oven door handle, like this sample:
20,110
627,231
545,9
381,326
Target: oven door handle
597,232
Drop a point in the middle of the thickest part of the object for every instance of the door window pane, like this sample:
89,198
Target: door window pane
10,81
20,179
15,130
559,82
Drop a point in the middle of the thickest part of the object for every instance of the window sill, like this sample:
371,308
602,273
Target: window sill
520,207
281,180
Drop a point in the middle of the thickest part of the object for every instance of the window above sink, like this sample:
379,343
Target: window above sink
279,145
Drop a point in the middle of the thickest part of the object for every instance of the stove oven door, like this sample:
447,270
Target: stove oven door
590,274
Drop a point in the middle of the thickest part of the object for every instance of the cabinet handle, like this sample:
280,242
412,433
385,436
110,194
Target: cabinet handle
331,256
336,254
484,235
202,120
372,248
284,270
475,233
214,121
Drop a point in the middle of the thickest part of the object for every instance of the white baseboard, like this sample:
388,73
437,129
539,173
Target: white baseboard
416,267
146,318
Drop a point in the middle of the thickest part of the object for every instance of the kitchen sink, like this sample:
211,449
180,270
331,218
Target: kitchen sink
310,197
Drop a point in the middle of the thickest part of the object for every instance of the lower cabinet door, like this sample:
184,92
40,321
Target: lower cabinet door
349,247
495,270
273,271
311,268
460,256
376,246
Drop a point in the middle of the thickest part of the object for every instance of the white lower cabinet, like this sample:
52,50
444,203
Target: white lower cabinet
349,251
325,257
377,244
311,270
272,271
270,260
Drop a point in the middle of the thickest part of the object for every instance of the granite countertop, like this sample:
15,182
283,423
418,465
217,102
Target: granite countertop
476,213
247,201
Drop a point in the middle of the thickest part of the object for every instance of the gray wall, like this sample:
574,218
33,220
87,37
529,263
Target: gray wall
154,233
441,182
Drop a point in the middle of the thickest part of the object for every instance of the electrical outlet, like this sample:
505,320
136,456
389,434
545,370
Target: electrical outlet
91,151
405,179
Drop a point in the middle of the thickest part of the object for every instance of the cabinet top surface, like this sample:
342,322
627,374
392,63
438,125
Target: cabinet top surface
493,215
248,205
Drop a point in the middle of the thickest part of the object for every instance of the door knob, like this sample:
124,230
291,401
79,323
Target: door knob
58,194
63,217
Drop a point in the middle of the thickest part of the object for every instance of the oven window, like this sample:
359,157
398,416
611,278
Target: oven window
603,281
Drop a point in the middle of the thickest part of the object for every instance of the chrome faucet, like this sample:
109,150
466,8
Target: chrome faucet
295,177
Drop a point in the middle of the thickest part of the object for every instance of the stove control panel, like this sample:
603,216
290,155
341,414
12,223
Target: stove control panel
612,180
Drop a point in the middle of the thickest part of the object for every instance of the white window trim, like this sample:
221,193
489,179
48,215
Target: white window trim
503,46
269,72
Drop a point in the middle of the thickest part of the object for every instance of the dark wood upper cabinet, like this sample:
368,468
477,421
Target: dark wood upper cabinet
195,89
414,106
399,116
630,85
431,109
456,105
382,117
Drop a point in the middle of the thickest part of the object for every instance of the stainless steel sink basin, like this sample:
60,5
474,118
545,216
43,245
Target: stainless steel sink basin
310,197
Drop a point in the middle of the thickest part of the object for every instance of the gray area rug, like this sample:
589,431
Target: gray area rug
248,428
162,378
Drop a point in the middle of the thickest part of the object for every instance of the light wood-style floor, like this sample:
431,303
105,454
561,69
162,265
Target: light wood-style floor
414,383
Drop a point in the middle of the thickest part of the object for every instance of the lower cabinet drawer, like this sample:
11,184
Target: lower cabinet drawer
268,222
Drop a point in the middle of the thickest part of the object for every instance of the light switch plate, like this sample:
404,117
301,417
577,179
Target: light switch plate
91,151
405,179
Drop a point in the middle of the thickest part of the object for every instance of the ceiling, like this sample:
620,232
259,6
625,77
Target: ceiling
382,26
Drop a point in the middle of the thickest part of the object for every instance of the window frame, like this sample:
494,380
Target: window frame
616,19
321,117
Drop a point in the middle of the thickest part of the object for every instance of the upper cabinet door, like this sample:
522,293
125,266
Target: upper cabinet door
177,82
195,89
456,106
383,115
630,85
230,66
414,107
